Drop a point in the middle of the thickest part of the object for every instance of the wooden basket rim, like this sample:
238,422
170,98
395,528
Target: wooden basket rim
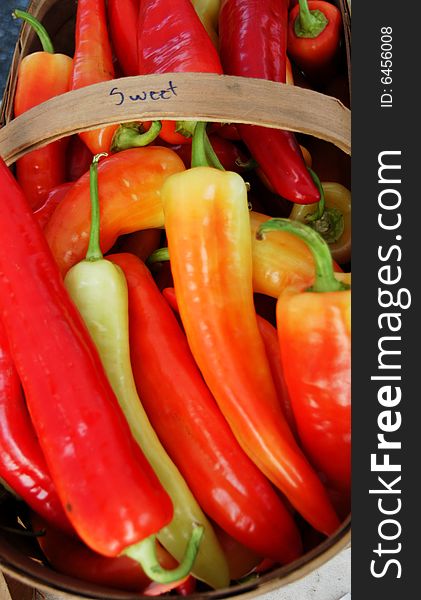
196,96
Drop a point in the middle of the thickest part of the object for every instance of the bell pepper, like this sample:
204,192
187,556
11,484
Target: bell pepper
41,76
99,290
122,21
22,464
314,35
228,486
182,46
93,63
208,230
130,199
314,329
334,225
109,492
253,44
68,555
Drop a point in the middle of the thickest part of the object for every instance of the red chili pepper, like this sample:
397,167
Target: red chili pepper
41,76
270,340
22,464
172,39
78,159
314,35
315,341
253,44
109,492
93,63
122,20
227,131
228,486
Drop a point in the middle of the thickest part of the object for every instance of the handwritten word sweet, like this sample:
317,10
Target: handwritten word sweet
143,96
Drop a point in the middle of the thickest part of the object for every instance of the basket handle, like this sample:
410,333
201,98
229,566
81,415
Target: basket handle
179,96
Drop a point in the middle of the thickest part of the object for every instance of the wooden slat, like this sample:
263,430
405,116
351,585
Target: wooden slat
188,96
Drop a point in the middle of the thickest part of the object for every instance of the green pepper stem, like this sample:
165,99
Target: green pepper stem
309,23
129,135
318,214
145,554
40,30
94,249
325,280
203,155
158,256
185,128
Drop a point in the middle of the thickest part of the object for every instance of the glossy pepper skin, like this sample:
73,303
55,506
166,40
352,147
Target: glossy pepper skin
122,20
270,341
93,63
194,432
22,464
41,76
314,329
208,231
130,199
54,197
314,35
172,39
253,37
208,12
89,283
109,492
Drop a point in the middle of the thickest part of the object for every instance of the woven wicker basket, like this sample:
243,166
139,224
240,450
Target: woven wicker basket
199,97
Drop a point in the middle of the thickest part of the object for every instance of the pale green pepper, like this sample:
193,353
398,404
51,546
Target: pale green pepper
99,290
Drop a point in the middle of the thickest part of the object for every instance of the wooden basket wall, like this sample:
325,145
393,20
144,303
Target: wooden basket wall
204,97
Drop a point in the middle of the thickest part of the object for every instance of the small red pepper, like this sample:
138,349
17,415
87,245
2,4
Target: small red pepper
314,329
314,35
122,20
253,37
228,486
22,464
41,76
93,63
108,490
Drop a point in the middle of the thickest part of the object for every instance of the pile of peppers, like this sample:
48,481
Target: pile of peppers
175,310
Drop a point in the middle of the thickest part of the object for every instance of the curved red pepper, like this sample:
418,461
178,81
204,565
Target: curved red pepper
228,486
110,493
253,44
122,20
314,42
22,464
